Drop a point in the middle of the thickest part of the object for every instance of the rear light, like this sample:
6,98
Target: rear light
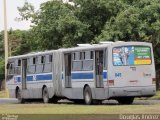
110,82
153,80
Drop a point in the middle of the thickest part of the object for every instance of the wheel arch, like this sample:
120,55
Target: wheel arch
44,86
16,90
87,91
86,85
92,91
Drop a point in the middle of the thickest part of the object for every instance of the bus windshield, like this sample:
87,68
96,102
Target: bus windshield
131,55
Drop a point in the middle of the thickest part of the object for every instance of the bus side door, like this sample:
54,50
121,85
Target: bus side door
67,58
99,68
24,73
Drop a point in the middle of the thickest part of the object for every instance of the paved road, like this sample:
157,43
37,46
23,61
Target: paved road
136,102
106,102
8,101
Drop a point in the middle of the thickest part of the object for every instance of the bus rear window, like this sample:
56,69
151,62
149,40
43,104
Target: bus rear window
131,55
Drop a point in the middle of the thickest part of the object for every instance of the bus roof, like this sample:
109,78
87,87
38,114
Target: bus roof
82,46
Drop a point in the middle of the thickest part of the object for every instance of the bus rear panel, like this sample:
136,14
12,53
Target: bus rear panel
133,71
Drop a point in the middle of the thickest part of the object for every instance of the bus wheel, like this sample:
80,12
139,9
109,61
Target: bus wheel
19,96
88,96
45,95
125,100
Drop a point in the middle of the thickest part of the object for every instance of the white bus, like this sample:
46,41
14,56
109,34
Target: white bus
89,73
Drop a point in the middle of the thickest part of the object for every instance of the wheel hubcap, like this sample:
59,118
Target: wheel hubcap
87,97
45,97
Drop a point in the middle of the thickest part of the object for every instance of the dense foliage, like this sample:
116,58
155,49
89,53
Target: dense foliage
57,24
18,44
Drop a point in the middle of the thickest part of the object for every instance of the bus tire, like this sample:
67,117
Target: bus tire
45,95
125,100
88,96
19,96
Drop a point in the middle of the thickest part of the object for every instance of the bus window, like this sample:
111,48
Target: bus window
50,58
17,70
19,62
91,55
76,56
40,64
11,69
48,64
34,60
18,67
87,55
87,61
105,59
76,61
42,59
32,65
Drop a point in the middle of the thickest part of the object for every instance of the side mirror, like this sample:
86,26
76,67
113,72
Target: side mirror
8,65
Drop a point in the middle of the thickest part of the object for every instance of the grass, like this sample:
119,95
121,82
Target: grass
155,97
63,110
78,109
73,111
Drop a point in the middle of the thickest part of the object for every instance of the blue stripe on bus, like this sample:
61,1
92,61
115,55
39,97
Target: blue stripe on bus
82,75
29,78
86,75
38,78
18,79
44,77
105,75
75,76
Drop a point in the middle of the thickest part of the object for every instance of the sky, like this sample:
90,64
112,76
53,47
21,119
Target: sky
12,13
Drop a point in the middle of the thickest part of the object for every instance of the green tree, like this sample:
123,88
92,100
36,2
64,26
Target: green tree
55,25
95,13
1,57
1,44
140,21
58,24
19,42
